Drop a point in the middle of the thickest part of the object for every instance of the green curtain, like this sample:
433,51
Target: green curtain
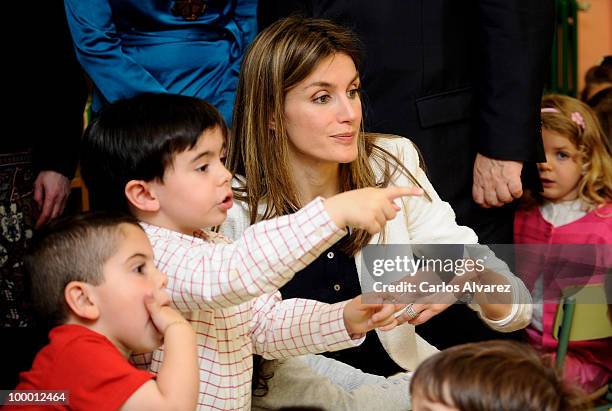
564,65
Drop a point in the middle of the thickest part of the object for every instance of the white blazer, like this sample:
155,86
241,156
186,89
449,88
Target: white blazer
419,222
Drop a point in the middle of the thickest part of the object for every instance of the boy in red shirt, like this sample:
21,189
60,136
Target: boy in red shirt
94,276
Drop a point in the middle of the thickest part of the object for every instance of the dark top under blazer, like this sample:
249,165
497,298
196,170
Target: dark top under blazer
332,278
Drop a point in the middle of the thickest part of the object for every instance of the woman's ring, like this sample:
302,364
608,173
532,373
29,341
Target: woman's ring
409,310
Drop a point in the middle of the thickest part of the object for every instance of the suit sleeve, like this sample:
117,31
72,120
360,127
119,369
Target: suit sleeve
515,38
58,126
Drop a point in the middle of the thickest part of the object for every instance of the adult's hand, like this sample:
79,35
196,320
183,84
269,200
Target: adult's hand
496,182
51,191
424,312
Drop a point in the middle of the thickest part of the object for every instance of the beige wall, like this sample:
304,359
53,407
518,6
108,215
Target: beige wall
594,35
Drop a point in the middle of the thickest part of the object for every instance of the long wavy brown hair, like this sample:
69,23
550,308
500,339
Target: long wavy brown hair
595,153
280,57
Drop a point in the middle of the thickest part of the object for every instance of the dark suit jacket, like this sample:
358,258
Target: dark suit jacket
45,90
456,77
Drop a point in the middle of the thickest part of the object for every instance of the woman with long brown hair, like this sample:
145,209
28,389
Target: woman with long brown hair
298,135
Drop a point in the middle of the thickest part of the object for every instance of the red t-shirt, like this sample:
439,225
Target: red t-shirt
86,364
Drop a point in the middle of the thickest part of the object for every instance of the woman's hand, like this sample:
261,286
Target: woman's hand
421,313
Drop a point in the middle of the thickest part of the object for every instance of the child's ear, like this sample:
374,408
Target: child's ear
78,297
140,194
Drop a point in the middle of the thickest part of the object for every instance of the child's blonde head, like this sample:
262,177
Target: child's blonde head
576,121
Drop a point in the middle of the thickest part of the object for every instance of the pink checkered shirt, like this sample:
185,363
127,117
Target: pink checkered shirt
228,291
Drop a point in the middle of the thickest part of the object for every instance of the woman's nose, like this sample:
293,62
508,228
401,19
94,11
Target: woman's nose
348,110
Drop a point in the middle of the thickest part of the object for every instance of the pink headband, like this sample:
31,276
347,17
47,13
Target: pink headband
575,116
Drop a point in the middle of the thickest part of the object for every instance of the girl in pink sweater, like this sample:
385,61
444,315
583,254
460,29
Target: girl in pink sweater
573,208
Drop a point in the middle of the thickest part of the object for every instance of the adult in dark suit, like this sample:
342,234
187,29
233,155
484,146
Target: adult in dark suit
463,80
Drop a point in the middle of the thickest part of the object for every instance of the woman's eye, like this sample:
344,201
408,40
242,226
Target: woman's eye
322,99
203,168
353,93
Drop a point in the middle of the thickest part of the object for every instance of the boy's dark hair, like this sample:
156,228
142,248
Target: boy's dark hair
137,139
495,375
69,249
